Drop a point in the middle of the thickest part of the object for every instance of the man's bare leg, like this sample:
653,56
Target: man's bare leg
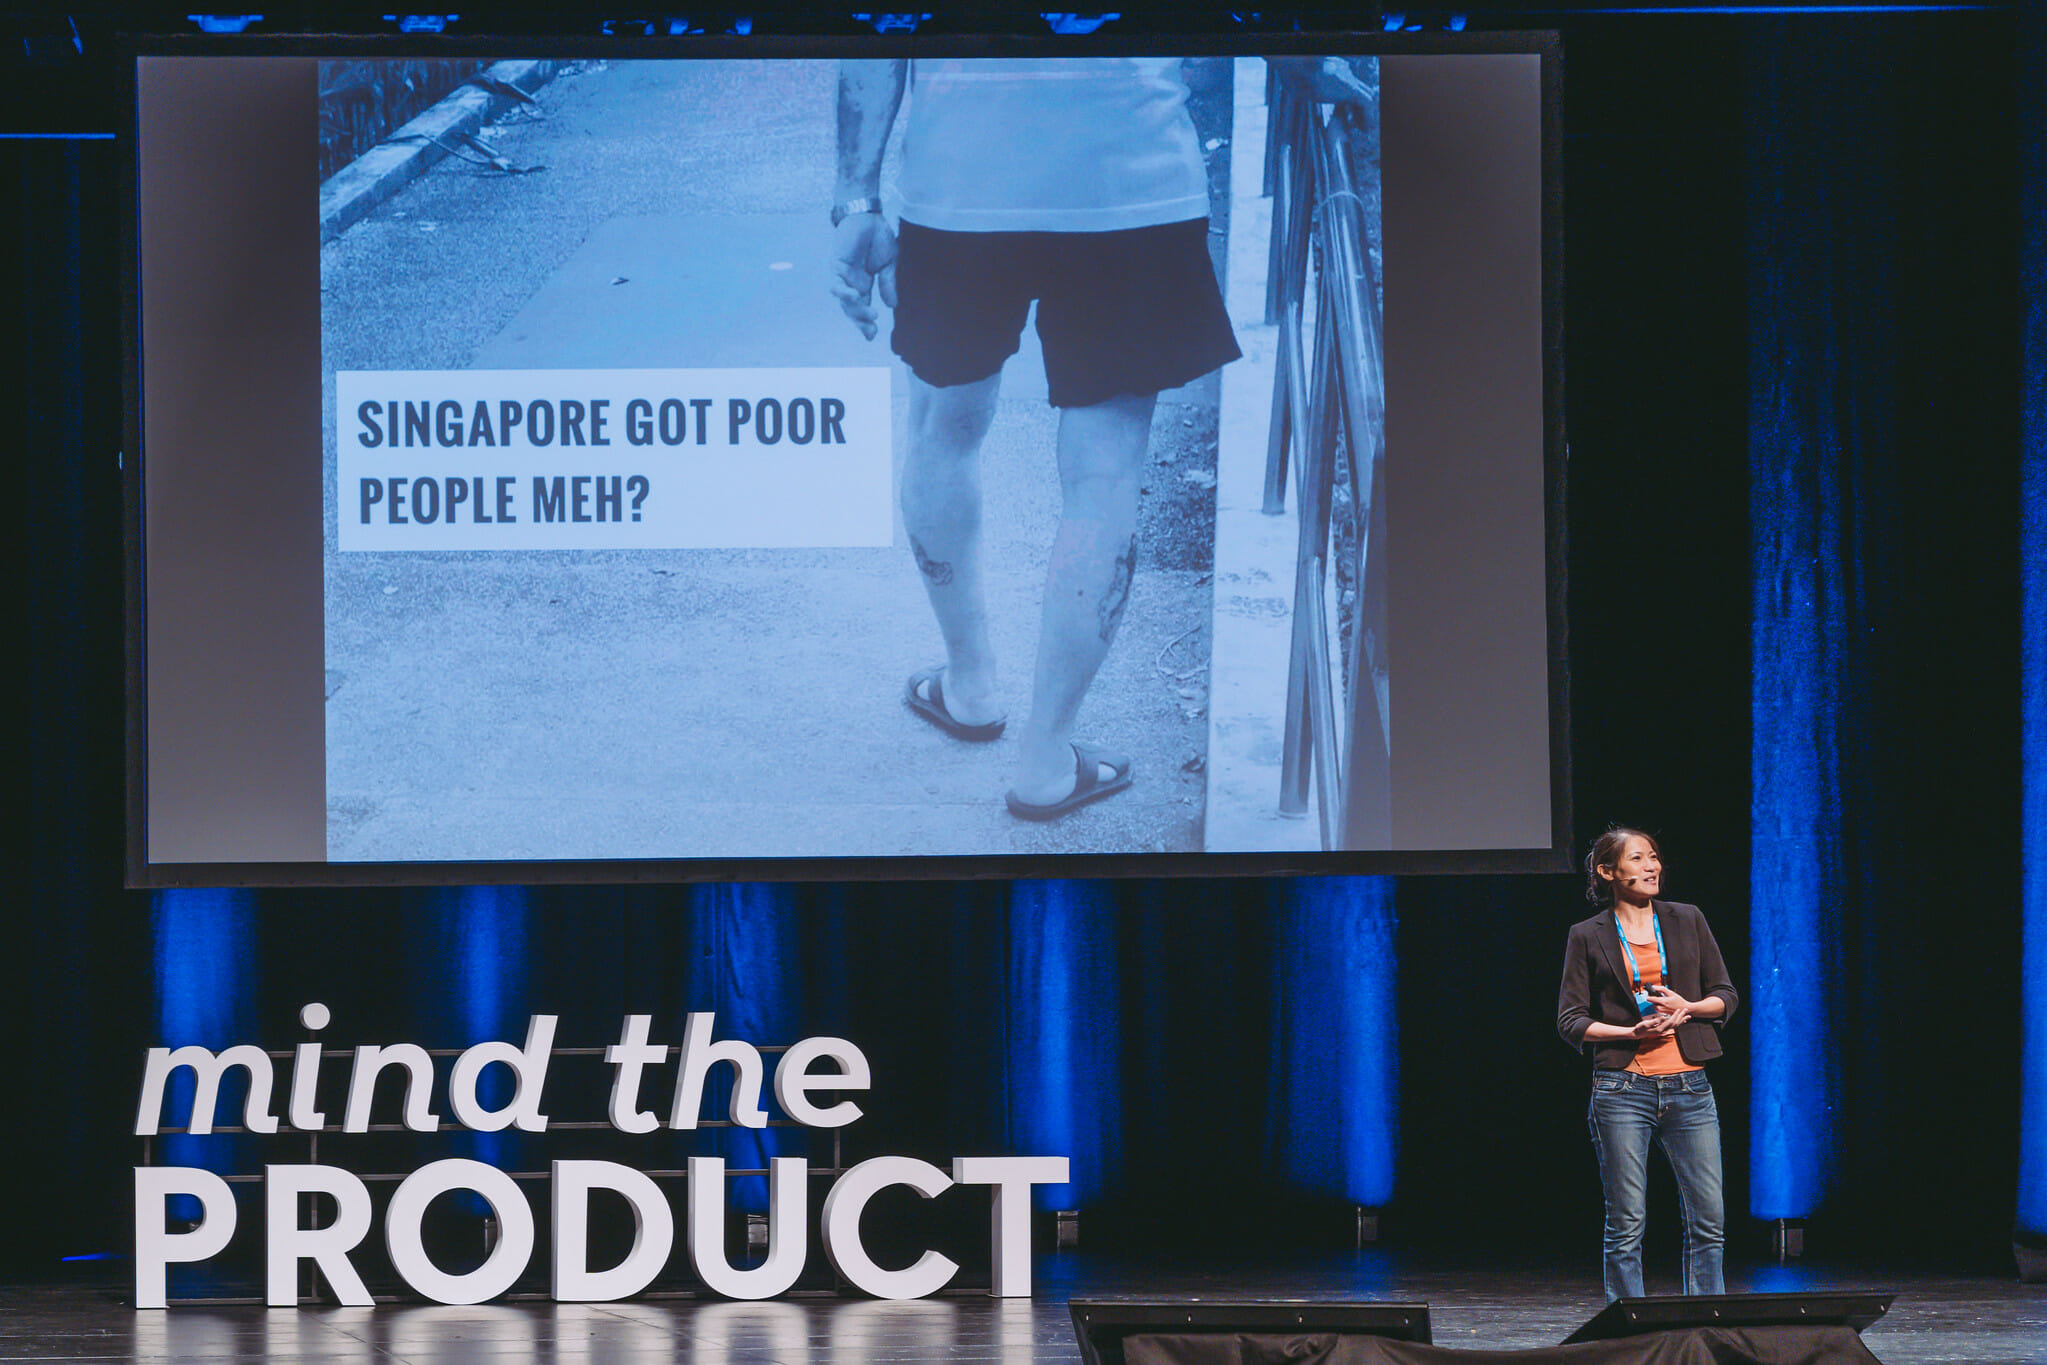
1087,583
941,496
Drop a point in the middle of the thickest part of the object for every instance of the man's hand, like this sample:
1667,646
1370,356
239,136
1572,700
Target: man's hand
863,254
863,247
1327,80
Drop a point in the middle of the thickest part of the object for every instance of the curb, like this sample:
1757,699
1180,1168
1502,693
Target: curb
351,193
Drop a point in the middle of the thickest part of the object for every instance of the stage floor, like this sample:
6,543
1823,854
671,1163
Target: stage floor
1937,1317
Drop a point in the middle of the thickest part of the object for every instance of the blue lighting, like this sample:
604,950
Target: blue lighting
422,23
1064,1065
1079,23
1791,9
893,23
1795,789
1785,1279
95,1256
204,945
489,928
224,23
746,966
2031,1214
1336,1117
486,935
1807,440
1799,631
205,953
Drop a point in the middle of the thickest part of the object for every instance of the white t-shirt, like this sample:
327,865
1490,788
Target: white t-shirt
1062,144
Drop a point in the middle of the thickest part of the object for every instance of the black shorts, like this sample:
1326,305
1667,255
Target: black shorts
1126,312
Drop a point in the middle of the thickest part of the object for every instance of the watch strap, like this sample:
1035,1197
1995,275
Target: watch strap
847,208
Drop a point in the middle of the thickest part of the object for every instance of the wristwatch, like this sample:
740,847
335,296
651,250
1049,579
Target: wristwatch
841,212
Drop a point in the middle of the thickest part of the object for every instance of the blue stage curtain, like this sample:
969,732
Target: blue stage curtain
1804,451
1881,218
480,978
2032,87
1333,1116
1823,159
206,981
74,992
746,965
1063,1036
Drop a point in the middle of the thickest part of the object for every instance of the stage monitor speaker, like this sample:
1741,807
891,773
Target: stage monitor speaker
1674,1312
2031,1255
1103,1324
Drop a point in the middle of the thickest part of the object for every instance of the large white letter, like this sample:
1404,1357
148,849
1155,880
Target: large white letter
286,1243
154,1246
206,1073
631,1052
788,1197
698,1055
842,1209
793,1081
370,1061
1010,1234
507,1260
305,1072
653,1232
305,1089
529,1065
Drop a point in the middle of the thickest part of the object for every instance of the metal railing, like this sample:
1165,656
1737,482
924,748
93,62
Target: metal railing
364,102
1328,424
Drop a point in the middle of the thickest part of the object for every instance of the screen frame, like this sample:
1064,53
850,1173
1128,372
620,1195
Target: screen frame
142,873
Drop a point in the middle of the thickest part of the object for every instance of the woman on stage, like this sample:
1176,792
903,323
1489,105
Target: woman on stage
1646,991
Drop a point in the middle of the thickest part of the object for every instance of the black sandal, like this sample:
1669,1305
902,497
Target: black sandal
926,697
1088,784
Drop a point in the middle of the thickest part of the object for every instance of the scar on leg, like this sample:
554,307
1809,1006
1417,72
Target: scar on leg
937,570
1110,608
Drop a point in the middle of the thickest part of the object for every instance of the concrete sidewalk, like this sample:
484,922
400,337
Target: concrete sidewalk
1255,553
704,703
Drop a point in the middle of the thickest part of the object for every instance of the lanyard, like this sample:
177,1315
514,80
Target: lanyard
1634,965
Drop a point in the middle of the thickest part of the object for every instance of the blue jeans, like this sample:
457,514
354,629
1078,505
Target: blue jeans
1628,1111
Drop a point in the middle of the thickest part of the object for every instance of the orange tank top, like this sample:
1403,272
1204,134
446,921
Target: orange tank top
1657,1056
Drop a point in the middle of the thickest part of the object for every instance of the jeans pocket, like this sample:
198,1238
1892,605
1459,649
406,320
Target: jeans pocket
1609,1082
1697,1084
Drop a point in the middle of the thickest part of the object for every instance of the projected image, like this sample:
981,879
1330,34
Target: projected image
795,459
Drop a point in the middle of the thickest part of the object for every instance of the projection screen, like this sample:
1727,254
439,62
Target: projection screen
788,459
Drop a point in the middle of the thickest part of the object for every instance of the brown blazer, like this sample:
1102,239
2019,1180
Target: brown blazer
1598,984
